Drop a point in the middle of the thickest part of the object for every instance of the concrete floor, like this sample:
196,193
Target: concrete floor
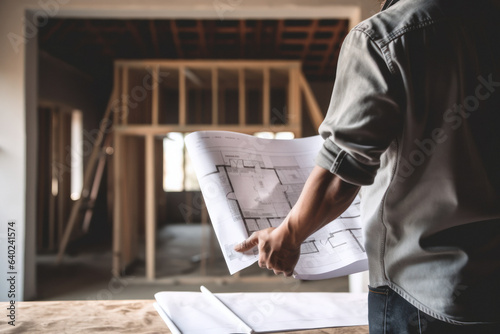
87,275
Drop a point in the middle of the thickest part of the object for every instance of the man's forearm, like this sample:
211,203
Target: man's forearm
324,198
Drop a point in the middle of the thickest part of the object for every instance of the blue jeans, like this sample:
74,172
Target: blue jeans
389,313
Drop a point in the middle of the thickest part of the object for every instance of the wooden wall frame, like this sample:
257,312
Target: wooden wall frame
296,86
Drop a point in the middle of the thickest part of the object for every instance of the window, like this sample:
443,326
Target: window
76,154
178,172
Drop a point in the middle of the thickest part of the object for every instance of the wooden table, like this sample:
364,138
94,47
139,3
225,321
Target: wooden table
110,316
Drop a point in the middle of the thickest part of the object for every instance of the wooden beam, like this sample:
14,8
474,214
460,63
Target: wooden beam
202,38
331,48
242,28
142,130
315,113
241,96
137,37
207,64
258,37
96,38
124,96
310,37
117,205
215,96
116,109
266,96
150,205
290,116
176,39
279,33
154,38
155,106
182,96
61,193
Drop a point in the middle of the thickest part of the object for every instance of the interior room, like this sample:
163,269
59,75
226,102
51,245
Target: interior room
97,98
123,55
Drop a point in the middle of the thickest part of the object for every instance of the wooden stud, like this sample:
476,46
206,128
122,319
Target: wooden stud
201,35
117,205
279,35
182,96
215,96
61,193
141,130
154,37
150,208
312,106
241,96
310,37
243,34
124,96
266,97
330,49
226,64
138,39
175,37
116,109
156,83
294,101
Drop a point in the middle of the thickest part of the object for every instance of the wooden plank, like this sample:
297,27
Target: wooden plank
266,97
154,37
331,48
117,205
215,96
241,97
175,37
138,39
201,34
150,214
225,63
124,96
294,117
310,37
279,35
116,83
155,106
61,178
312,105
128,189
141,130
182,96
243,34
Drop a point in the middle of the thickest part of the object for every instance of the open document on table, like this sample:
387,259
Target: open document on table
250,183
193,313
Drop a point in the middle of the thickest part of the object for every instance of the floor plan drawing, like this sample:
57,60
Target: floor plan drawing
250,184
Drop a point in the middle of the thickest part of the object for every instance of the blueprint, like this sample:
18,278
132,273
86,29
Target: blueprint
190,313
250,184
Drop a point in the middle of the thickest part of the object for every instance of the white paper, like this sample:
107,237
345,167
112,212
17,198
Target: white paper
264,312
250,183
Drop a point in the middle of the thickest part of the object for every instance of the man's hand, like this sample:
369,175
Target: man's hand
275,250
324,197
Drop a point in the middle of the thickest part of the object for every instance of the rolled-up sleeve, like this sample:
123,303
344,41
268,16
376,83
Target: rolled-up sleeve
364,116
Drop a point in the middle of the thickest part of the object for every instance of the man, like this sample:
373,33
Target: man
414,120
